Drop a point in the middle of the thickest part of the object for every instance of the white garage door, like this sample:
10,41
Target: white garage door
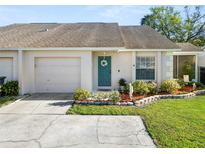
57,74
6,68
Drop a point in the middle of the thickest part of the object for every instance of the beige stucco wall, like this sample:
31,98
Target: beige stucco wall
167,66
126,61
123,66
14,56
29,67
201,59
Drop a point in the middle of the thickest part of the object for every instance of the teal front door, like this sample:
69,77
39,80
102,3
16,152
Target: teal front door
104,71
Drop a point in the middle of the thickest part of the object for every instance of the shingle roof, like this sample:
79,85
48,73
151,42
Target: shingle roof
188,47
144,37
45,35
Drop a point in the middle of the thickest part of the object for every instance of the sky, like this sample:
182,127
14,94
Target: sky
124,15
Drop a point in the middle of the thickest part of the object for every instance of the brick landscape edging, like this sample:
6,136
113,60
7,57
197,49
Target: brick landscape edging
144,101
148,100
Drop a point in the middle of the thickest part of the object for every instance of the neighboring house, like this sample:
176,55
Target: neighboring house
62,57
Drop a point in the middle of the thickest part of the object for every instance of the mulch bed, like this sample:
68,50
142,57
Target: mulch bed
125,97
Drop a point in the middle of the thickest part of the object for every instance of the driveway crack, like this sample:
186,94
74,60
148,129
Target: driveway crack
19,141
97,125
50,124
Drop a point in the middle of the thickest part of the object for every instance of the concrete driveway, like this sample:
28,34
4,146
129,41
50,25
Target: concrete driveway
40,104
36,123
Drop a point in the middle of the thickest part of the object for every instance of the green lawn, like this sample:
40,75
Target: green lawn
172,123
6,100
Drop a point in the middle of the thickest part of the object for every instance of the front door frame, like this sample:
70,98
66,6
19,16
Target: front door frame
105,87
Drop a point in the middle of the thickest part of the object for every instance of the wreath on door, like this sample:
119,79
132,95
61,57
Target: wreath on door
104,63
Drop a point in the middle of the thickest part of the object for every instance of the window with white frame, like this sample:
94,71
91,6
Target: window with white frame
145,68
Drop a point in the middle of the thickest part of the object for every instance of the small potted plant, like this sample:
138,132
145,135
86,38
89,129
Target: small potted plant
122,84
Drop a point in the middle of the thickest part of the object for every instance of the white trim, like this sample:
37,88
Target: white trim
104,87
187,53
155,67
196,68
69,49
158,68
118,49
177,66
133,66
121,50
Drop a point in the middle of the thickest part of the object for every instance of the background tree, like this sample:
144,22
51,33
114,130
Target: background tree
169,22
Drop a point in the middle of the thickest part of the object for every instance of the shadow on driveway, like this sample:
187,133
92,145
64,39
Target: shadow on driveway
61,104
49,96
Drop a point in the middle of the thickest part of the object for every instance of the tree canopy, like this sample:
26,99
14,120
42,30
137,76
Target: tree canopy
178,28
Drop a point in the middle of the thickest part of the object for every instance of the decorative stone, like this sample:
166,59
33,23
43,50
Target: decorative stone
130,103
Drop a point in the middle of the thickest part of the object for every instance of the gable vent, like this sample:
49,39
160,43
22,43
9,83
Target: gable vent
43,30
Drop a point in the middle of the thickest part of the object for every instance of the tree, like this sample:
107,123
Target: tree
169,22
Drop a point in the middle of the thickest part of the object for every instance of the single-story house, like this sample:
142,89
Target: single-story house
53,57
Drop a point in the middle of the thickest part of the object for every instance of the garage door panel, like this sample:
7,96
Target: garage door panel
57,74
6,68
57,62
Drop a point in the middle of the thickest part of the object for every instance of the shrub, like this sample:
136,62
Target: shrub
101,95
81,94
199,85
114,96
126,89
170,86
140,87
10,88
181,83
152,87
122,82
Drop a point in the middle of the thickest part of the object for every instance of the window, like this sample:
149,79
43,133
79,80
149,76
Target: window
184,65
145,68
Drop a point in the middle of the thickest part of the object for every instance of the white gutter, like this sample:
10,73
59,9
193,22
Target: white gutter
119,49
188,53
170,50
70,49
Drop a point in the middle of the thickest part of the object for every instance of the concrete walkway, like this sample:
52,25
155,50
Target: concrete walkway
33,123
